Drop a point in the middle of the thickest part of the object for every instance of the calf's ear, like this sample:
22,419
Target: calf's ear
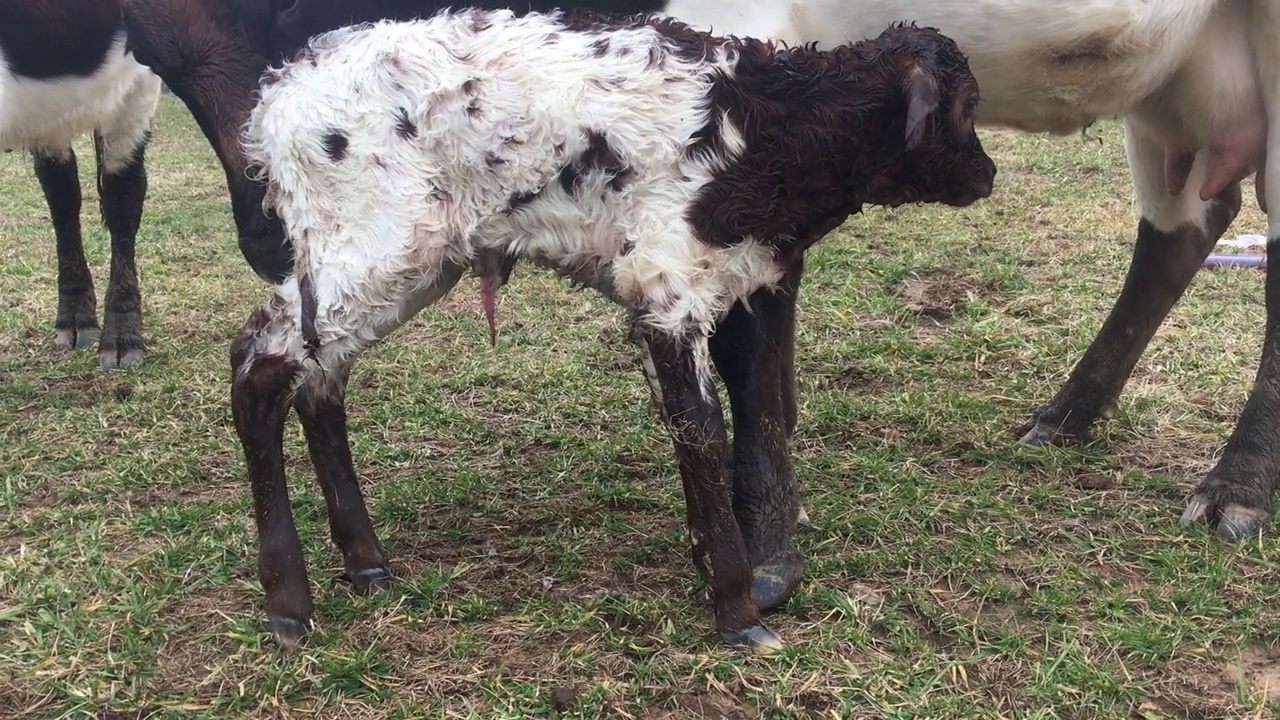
921,90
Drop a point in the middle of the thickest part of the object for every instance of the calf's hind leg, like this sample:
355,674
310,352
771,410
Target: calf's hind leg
122,188
263,372
1175,235
321,406
272,369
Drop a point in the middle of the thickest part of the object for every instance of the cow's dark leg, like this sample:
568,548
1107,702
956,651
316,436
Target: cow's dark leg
122,187
692,412
321,407
1237,493
260,399
77,322
1175,235
750,353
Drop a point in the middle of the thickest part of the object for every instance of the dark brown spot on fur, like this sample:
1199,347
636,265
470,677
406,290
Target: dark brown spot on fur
307,293
473,109
405,127
480,22
335,145
519,200
707,140
598,157
600,47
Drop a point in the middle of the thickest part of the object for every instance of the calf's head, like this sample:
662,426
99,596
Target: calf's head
934,154
211,53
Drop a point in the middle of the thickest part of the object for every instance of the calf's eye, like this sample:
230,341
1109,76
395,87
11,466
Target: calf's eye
970,106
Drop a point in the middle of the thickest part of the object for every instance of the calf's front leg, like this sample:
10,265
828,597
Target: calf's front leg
750,351
691,410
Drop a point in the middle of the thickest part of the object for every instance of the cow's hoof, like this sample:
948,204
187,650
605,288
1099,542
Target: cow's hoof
75,338
1233,523
1045,427
120,359
802,519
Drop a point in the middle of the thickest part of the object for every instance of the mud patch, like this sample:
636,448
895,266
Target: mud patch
939,293
855,378
82,392
1103,480
705,706
1259,670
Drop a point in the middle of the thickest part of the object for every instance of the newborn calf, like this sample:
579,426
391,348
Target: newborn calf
674,171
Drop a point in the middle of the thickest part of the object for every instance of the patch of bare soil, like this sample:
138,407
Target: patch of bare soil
939,293
1261,669
511,563
705,706
856,379
1191,689
196,659
1100,480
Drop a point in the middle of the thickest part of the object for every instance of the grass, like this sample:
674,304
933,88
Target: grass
528,497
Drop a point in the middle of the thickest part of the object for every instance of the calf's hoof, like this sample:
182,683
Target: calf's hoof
1232,522
287,632
773,583
757,638
370,579
75,338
